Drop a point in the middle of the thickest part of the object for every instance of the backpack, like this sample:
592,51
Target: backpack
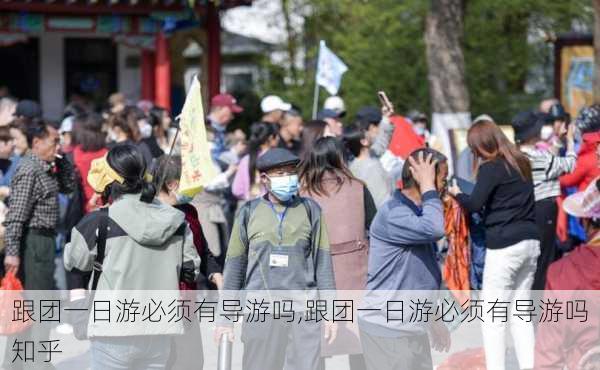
246,210
76,205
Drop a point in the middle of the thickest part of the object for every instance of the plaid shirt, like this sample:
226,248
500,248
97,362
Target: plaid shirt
33,201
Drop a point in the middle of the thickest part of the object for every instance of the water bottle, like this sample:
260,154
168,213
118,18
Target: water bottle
225,352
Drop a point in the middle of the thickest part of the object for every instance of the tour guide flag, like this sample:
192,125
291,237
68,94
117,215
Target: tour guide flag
197,169
330,69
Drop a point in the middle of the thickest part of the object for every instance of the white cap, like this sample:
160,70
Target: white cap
483,117
66,125
271,103
335,103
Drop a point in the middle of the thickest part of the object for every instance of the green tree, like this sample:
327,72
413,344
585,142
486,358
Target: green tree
382,42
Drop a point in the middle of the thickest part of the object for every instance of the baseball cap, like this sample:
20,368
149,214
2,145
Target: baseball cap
29,109
483,117
584,204
327,113
416,116
226,100
335,103
369,114
271,103
66,125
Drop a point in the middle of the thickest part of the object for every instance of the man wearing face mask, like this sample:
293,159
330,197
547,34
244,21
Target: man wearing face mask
292,230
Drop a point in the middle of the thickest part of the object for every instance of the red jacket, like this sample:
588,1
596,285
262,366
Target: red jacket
566,341
586,167
83,161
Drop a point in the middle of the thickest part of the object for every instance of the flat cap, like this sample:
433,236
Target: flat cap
276,157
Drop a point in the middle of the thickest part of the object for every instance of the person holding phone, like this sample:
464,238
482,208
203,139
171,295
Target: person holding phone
504,191
547,167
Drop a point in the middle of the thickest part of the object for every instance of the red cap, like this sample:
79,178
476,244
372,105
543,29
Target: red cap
226,100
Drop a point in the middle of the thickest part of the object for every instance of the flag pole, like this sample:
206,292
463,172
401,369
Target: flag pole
316,94
315,100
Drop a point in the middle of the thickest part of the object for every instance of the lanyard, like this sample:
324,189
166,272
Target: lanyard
280,217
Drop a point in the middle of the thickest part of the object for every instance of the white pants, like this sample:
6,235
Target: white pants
507,277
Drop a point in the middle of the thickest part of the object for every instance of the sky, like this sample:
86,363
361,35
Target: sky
263,20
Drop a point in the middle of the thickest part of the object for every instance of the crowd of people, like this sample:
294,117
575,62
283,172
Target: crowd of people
334,203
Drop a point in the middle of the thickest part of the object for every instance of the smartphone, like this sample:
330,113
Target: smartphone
384,100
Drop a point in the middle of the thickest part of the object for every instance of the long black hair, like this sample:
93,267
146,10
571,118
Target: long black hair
128,162
155,119
326,156
260,133
312,131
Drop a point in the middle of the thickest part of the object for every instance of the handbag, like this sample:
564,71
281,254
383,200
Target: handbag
79,310
11,290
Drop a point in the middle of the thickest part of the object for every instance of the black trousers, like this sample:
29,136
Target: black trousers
546,213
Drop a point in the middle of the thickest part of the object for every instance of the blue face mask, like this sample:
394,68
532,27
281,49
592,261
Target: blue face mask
182,199
284,187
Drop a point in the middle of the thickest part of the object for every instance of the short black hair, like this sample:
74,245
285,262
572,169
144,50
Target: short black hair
408,180
36,129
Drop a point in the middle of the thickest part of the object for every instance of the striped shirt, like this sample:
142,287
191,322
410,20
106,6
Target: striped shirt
546,168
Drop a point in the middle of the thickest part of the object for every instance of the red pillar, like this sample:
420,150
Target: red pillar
213,29
162,92
148,66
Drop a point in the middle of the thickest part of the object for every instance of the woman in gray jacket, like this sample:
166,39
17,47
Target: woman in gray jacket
149,250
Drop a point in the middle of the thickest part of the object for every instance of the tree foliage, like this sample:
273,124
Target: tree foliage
382,42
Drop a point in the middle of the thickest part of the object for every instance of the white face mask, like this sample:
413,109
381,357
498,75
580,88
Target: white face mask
145,129
112,136
547,133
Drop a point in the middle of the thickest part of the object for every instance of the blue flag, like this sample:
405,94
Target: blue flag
330,69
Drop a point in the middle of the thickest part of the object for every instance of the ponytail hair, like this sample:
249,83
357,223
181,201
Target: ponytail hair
129,163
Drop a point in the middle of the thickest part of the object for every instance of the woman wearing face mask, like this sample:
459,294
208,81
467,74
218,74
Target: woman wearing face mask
166,178
246,184
348,209
125,128
148,248
364,166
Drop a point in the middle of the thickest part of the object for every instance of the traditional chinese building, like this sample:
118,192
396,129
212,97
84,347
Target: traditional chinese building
55,50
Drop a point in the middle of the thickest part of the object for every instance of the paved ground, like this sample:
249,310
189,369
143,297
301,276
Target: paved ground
76,353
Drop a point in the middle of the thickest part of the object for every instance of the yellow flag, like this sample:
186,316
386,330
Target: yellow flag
197,169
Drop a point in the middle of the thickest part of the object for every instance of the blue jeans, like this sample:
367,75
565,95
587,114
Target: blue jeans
135,352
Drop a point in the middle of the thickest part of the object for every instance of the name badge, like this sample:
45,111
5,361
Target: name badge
278,260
